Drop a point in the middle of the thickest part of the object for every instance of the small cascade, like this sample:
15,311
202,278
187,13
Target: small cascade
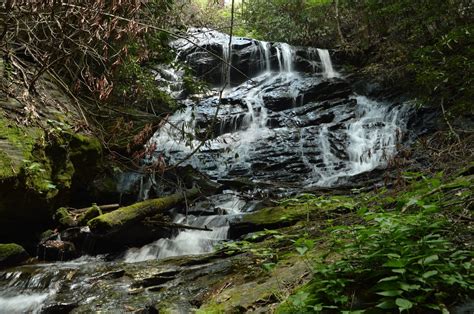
29,288
264,49
328,70
188,241
227,65
286,58
374,136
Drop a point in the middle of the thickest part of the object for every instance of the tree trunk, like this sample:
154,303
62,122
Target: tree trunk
338,22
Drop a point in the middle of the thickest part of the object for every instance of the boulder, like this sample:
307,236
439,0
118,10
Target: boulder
12,254
57,250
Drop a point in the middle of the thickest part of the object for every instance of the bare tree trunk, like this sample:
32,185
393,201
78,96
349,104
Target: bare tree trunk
338,22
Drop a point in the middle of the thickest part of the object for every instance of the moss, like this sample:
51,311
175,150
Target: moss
93,212
12,253
64,218
124,215
212,308
83,144
274,215
16,143
7,166
46,234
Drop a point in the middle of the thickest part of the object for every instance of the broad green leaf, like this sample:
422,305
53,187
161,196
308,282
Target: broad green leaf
388,278
428,259
390,293
399,270
403,304
302,250
318,307
386,305
429,274
407,287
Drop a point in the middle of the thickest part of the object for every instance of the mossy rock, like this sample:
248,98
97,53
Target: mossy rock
12,254
91,213
268,218
63,218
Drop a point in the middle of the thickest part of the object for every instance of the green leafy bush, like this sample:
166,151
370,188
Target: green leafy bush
392,262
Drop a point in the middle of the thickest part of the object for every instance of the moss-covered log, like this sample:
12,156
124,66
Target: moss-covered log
120,218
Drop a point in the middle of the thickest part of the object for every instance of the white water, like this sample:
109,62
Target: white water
190,242
226,66
287,58
371,139
328,69
265,46
23,303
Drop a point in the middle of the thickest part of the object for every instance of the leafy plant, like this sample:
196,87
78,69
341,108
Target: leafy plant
392,262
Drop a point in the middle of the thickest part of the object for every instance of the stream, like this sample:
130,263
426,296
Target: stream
287,119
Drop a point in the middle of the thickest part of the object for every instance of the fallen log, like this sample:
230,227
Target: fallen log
118,219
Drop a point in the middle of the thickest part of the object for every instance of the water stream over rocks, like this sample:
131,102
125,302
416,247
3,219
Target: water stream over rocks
287,120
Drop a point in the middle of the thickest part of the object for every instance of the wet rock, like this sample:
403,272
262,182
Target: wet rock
58,308
56,250
12,254
155,280
267,218
205,51
80,237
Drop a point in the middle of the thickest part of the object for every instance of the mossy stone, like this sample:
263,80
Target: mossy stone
92,212
64,218
11,254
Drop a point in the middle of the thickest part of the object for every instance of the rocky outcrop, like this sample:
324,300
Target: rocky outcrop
206,52
44,158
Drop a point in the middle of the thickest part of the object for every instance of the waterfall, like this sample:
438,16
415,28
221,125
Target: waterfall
328,70
265,56
269,128
287,58
226,64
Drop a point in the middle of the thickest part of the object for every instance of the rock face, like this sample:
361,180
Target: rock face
208,51
288,116
43,160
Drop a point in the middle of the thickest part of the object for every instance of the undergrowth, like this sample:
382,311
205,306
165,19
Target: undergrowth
410,252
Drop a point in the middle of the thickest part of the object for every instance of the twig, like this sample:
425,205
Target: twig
447,122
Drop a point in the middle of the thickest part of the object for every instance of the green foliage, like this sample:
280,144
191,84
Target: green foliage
392,260
447,63
425,47
296,22
134,80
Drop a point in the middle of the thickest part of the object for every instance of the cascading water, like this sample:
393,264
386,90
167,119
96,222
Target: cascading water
339,133
327,64
312,142
292,122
